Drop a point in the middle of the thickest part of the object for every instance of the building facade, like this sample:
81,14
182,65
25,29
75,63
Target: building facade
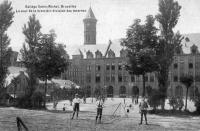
100,68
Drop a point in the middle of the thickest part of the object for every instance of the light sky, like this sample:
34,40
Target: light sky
114,17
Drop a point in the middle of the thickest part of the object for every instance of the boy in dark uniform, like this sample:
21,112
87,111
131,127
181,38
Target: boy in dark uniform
143,110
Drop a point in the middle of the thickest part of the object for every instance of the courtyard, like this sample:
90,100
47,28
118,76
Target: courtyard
114,118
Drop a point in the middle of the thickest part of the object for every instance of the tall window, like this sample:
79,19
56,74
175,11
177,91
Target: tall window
175,78
190,65
120,67
132,78
98,78
113,67
98,67
119,78
112,78
175,65
107,67
88,78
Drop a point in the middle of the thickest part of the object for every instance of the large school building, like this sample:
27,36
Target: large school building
99,67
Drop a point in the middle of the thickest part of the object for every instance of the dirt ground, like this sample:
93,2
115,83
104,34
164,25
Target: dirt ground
112,120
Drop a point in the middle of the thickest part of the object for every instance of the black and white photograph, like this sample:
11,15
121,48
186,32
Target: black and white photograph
99,65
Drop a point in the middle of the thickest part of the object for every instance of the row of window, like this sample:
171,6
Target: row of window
72,73
108,67
120,78
190,65
197,78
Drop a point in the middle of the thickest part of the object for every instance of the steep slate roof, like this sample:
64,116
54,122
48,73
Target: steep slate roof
74,49
90,14
116,47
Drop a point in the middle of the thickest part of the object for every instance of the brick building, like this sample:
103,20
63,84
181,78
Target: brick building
100,66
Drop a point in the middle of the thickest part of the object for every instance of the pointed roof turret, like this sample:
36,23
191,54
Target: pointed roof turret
90,14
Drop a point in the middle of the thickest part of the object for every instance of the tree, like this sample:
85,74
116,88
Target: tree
187,81
32,36
139,43
50,59
6,16
169,12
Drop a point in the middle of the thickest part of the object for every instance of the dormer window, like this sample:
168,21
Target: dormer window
179,50
111,54
194,49
89,54
98,54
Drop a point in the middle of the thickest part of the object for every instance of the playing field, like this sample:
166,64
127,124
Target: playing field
114,119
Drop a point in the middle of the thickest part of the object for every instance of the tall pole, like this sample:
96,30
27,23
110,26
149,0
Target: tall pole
194,76
1,68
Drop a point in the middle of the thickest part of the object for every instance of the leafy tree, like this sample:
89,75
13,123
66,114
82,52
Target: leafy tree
154,98
169,12
176,103
6,16
32,33
139,43
50,59
187,81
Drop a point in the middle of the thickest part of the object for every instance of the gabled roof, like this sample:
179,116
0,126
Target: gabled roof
115,47
90,14
13,73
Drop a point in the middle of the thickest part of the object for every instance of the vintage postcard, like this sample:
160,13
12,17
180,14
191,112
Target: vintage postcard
99,65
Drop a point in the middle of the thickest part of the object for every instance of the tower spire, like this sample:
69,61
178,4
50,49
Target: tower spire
90,28
90,14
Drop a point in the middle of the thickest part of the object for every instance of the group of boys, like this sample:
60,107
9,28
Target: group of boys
100,104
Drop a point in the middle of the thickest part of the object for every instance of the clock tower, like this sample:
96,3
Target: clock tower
90,28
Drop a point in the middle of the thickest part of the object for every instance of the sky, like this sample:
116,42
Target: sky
114,17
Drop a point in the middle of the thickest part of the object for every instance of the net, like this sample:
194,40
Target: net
115,110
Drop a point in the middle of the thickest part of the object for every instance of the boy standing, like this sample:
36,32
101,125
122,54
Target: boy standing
143,110
76,102
99,104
